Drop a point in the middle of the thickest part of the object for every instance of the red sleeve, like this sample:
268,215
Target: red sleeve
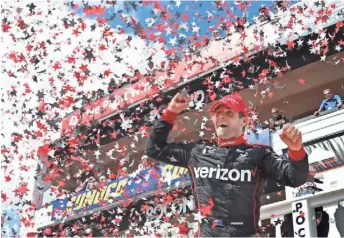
297,155
169,116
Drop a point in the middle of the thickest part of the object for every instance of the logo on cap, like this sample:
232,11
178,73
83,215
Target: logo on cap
232,100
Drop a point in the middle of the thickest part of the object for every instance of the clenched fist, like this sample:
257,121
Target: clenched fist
179,102
291,136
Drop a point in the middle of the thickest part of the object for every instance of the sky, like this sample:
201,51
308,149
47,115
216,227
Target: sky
188,11
12,220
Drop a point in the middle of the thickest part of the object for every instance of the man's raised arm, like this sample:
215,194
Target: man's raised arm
158,148
294,171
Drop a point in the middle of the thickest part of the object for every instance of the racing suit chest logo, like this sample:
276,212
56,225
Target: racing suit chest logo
224,173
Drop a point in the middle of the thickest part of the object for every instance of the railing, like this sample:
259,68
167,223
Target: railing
274,211
314,128
303,215
328,200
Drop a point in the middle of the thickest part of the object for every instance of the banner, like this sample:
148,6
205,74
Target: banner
301,222
179,206
107,105
121,189
128,187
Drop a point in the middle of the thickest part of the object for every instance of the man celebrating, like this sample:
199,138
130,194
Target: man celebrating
227,173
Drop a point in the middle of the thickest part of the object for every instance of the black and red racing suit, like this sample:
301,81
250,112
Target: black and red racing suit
227,180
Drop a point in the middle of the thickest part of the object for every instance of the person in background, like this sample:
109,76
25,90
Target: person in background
111,86
240,24
281,5
331,101
254,126
278,119
264,14
339,218
287,229
322,219
253,123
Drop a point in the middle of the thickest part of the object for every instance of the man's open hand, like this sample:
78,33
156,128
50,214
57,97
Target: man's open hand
291,136
179,102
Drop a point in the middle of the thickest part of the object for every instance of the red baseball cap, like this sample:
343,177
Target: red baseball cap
232,101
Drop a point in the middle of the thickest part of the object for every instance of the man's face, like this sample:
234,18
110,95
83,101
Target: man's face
274,112
228,124
327,94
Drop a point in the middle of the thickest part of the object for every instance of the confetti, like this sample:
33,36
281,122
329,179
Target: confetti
302,81
66,64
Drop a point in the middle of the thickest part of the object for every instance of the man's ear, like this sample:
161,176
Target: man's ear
244,121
